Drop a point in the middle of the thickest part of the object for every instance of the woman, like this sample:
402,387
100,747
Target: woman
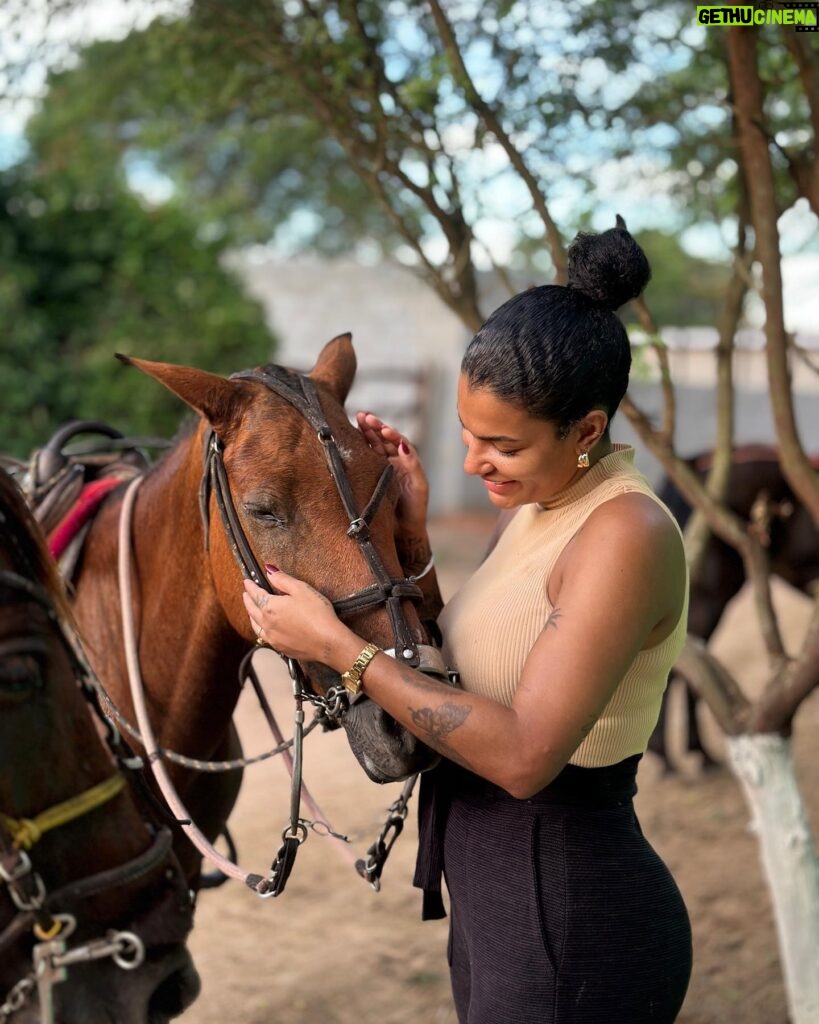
563,638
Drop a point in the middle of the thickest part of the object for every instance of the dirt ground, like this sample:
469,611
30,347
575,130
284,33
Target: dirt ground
331,951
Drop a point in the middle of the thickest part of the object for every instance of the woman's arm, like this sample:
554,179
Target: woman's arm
622,587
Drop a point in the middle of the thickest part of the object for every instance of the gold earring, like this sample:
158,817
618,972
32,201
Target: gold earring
583,460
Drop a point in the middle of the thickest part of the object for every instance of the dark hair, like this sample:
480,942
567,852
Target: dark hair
561,352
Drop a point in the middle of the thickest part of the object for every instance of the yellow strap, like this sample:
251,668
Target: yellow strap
25,832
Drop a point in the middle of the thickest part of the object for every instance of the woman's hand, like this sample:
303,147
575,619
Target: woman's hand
299,622
411,511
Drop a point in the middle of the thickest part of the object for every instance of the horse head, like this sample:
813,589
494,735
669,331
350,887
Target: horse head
81,872
304,489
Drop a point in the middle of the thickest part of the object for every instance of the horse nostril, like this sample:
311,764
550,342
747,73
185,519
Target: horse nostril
174,995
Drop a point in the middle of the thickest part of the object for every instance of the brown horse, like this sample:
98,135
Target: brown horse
793,550
81,873
191,624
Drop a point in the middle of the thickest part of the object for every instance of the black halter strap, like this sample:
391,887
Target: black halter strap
300,391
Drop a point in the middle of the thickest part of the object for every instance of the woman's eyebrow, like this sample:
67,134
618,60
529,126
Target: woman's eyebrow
494,438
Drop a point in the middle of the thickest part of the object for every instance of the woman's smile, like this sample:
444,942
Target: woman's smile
498,486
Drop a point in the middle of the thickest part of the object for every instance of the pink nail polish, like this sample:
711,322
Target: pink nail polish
403,447
270,567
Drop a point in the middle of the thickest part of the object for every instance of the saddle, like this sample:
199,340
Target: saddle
65,483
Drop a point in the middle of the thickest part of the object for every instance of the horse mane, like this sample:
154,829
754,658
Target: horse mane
28,549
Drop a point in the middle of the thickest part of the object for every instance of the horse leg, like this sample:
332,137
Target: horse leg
720,579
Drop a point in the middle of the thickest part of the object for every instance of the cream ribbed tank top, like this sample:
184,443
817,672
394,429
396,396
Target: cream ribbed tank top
492,622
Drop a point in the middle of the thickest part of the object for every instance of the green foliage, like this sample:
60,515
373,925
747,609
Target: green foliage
686,115
87,271
684,291
228,130
328,124
281,120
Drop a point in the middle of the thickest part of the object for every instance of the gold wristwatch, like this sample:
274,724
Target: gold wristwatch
352,677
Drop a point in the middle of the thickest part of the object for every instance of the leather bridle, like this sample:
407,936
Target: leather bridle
300,391
46,913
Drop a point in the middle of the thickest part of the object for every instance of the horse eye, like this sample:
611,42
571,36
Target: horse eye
21,673
264,514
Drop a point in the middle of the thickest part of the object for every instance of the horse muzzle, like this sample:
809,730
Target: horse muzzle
385,749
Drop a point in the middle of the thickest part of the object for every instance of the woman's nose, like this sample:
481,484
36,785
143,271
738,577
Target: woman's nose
473,462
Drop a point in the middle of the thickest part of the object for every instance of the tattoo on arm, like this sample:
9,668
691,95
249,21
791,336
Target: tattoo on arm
414,552
435,725
588,725
554,615
440,723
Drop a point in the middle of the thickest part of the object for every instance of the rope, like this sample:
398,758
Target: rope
25,832
138,697
193,762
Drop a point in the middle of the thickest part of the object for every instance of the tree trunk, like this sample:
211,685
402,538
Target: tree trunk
764,766
748,95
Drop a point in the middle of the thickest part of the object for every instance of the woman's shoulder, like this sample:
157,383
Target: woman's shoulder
635,509
636,524
629,555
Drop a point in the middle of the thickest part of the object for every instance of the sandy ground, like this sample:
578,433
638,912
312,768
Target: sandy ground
331,951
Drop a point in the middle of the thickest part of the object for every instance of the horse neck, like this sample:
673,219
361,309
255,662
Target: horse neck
188,651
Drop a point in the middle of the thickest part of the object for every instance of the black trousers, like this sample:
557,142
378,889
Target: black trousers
561,911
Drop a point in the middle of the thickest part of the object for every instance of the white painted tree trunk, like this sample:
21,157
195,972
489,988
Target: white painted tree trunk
764,766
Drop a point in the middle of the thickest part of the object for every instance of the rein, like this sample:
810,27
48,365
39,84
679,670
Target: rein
295,833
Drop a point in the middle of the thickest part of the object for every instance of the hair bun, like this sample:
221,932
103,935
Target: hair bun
609,268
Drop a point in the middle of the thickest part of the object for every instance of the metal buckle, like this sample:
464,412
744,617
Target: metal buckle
34,902
358,529
23,868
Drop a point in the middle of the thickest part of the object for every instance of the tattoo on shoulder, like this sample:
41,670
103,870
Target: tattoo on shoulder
554,615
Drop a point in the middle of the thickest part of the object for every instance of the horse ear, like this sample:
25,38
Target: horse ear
209,394
336,366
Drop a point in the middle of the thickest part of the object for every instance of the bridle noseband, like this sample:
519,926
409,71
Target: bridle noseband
300,391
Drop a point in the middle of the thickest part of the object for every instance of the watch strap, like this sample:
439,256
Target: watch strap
352,677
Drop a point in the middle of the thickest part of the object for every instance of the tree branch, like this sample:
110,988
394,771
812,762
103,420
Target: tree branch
698,531
747,91
808,70
493,123
774,711
715,685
